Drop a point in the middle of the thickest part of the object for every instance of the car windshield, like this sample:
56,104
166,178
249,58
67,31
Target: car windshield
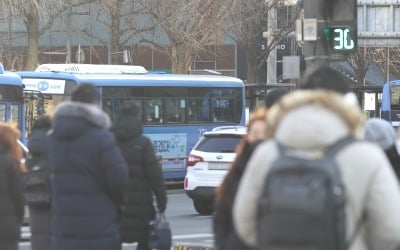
219,144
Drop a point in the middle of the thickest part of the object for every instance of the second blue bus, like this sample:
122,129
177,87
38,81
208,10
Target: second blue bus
175,109
12,100
390,108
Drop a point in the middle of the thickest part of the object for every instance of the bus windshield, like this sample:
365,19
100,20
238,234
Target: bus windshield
10,93
395,95
11,100
42,96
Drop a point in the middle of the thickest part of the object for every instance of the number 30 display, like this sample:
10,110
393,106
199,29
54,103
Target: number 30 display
342,40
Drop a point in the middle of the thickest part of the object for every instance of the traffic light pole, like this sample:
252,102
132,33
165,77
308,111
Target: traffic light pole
314,51
271,61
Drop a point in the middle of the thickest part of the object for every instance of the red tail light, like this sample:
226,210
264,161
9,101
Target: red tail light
193,159
186,182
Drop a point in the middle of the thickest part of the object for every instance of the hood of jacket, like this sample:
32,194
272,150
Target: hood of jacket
71,119
313,119
380,132
126,127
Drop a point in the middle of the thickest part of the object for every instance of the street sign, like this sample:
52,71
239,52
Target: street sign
291,67
310,30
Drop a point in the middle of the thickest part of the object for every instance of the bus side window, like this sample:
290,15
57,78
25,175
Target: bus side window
153,109
222,110
395,92
175,110
14,115
2,112
198,110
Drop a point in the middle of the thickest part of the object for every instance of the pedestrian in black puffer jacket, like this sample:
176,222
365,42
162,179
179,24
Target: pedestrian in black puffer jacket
89,175
145,177
11,197
39,218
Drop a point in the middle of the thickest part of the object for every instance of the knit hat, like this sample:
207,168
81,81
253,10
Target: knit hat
380,132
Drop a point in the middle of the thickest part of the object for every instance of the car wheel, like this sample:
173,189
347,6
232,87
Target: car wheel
203,207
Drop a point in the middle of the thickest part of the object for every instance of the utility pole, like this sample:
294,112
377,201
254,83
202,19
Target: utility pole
271,61
109,52
68,45
314,50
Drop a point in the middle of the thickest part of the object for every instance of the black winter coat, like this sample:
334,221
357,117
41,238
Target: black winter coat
39,218
394,159
145,179
89,179
11,200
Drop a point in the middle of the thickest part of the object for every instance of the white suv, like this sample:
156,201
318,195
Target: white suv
208,163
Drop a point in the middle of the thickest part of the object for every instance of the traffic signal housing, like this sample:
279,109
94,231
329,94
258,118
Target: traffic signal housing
340,30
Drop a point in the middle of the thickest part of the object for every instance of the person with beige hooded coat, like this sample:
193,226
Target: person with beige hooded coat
311,120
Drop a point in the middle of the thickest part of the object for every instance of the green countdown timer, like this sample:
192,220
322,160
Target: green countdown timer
340,39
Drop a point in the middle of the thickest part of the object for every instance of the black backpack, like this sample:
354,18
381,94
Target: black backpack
303,202
37,191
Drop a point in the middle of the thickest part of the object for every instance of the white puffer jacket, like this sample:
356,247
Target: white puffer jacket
312,120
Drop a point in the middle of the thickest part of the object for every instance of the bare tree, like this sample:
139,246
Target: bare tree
360,63
185,27
247,21
11,61
388,60
38,17
124,20
395,62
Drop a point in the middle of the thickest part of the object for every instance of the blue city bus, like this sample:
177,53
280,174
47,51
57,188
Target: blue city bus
175,109
12,100
390,107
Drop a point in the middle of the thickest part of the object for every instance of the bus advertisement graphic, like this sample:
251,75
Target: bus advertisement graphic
46,86
172,149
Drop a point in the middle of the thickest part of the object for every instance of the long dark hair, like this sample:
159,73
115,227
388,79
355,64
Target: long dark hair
226,192
8,139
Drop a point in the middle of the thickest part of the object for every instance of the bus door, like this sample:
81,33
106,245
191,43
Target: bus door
11,112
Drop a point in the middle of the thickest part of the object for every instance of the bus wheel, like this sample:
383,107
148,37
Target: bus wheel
203,207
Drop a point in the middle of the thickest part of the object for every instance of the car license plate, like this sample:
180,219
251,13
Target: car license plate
219,166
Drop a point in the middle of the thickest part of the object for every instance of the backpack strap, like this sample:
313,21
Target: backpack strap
331,151
340,144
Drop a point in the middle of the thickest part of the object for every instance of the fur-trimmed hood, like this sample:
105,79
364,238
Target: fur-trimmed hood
73,118
311,119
